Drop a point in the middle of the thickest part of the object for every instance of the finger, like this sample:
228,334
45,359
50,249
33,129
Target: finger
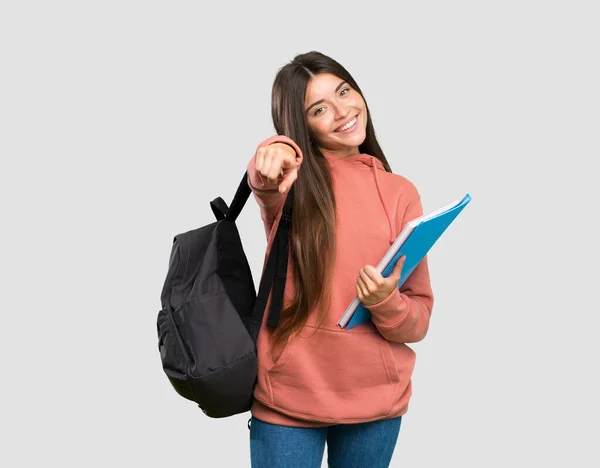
288,162
359,292
267,166
374,275
369,286
288,180
360,286
398,267
260,156
277,176
291,174
275,170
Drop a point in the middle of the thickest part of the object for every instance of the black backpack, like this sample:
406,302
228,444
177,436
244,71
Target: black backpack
211,316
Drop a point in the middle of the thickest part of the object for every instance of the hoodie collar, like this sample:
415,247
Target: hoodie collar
358,159
376,166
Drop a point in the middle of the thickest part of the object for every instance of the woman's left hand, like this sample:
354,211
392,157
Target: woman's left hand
372,288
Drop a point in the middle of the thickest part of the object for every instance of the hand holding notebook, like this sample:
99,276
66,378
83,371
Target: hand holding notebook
415,240
372,288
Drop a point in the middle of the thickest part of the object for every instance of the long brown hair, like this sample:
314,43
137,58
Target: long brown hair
312,239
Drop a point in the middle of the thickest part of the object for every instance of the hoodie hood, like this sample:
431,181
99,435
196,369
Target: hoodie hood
364,161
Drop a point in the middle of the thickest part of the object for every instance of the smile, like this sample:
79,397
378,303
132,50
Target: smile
348,127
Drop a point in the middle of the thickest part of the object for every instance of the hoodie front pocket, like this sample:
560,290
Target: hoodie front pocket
335,375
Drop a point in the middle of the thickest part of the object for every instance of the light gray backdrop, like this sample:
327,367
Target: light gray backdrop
121,120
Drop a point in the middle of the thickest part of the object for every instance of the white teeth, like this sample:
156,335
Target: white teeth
348,125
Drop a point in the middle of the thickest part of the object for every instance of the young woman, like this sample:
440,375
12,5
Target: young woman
318,383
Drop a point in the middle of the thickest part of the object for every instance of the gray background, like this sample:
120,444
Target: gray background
120,121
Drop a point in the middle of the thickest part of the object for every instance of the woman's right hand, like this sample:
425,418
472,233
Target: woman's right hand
277,162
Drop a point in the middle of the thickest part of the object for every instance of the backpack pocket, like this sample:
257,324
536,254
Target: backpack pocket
173,355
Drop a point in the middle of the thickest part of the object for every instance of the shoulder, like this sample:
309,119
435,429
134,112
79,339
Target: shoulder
402,187
406,199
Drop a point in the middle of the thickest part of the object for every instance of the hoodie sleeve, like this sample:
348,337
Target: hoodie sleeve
269,199
404,315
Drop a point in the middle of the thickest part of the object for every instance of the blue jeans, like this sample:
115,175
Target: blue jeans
360,445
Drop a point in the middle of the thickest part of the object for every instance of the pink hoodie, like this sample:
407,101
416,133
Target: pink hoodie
331,375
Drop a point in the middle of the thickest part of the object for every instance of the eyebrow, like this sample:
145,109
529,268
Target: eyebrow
321,100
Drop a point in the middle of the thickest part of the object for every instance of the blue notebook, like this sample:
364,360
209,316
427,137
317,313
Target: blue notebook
415,240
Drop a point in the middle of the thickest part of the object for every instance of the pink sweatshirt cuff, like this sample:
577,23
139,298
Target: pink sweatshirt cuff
391,311
255,179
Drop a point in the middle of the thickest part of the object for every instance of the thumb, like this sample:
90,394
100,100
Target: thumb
398,267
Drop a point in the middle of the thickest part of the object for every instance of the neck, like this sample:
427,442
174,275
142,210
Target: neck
341,153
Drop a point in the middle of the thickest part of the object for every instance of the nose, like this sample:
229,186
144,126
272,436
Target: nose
341,111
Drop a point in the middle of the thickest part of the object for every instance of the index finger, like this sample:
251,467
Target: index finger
288,180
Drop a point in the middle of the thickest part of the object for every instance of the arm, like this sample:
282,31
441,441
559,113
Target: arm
269,199
404,315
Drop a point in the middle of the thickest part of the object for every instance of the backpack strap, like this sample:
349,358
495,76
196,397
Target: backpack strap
275,272
219,208
239,200
280,275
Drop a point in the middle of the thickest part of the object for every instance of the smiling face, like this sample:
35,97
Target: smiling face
336,114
